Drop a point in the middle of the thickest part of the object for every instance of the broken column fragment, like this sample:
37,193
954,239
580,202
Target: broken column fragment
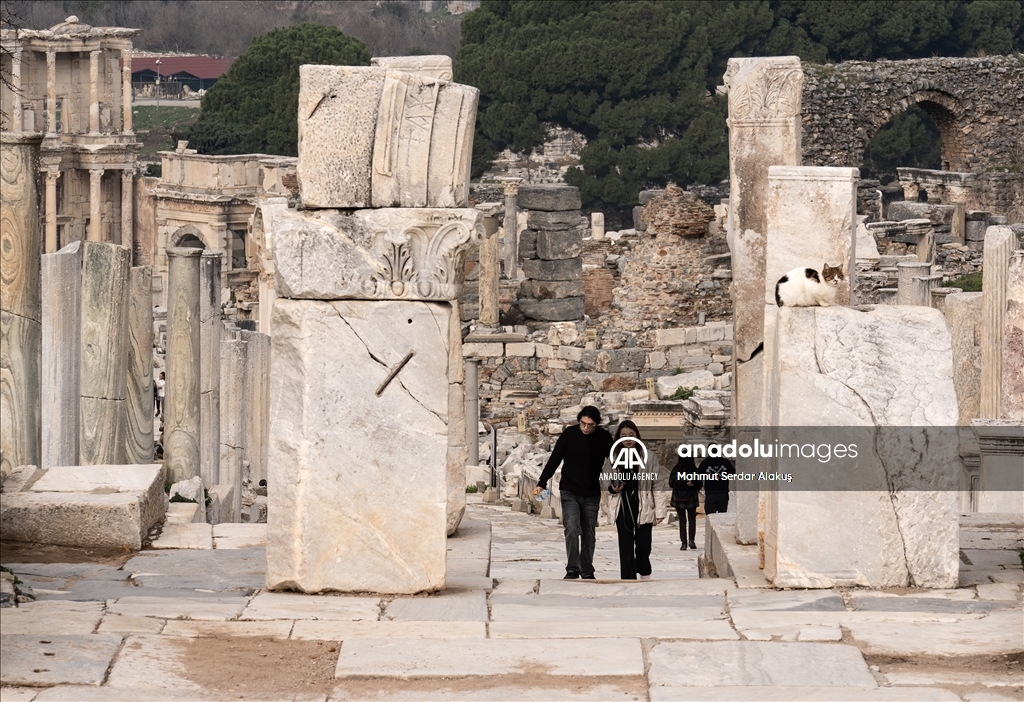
182,410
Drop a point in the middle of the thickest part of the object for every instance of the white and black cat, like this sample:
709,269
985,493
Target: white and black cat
804,287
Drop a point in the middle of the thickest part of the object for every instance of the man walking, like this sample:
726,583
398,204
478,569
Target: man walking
582,450
716,492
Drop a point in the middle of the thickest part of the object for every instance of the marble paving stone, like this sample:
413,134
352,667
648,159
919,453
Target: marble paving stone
667,628
52,617
512,586
998,591
78,693
185,536
801,694
657,588
787,600
715,664
991,558
338,630
215,608
405,658
820,633
90,591
468,582
279,605
550,689
56,659
991,634
119,624
1007,678
569,608
18,694
465,606
236,536
90,571
242,569
276,628
864,603
151,662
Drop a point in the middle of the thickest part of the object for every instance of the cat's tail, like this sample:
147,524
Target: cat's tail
778,297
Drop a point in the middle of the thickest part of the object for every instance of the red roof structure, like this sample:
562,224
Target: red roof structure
204,67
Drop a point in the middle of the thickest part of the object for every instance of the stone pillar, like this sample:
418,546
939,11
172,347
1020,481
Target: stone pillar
182,393
908,292
490,268
958,226
95,232
51,94
472,411
20,302
258,401
210,333
16,116
126,92
52,174
94,92
999,245
1001,480
105,350
510,236
762,133
62,355
234,413
597,226
127,211
139,433
458,448
921,289
1011,396
963,314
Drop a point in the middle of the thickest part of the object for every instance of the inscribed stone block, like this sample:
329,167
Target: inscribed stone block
438,67
451,146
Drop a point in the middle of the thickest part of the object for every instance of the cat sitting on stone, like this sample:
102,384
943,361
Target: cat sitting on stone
804,287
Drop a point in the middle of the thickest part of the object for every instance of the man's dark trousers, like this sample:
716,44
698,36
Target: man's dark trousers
715,502
579,518
634,547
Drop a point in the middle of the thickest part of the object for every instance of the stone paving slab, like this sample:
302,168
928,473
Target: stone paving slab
637,588
54,660
237,569
68,571
565,608
76,693
468,566
999,591
215,608
404,658
462,606
515,586
800,694
119,624
286,605
665,628
868,603
276,628
235,536
328,630
1010,678
990,634
741,663
18,694
500,689
188,536
468,582
786,600
153,662
52,617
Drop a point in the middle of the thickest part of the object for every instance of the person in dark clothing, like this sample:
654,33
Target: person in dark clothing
716,492
685,499
581,450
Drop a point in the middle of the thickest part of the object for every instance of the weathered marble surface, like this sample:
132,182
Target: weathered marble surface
62,351
20,302
853,371
234,418
438,67
139,426
210,333
1011,400
365,454
963,314
412,254
257,409
182,393
999,246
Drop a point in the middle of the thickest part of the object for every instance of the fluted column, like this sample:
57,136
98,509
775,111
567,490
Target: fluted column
94,92
20,303
139,429
95,232
234,413
16,124
209,365
126,87
999,245
127,213
182,392
52,174
510,244
51,93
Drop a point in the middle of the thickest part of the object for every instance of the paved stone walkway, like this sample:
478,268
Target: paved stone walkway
509,628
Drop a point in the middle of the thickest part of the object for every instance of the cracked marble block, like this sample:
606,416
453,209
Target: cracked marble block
365,403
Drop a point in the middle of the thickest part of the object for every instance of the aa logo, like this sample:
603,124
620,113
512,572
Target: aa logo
628,458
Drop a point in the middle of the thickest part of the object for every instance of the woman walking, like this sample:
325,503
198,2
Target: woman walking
636,502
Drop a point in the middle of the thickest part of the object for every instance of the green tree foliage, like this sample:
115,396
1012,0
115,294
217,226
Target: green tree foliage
637,79
253,107
909,139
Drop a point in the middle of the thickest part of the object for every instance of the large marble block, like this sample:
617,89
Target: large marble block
853,374
411,254
62,350
963,314
438,67
408,139
357,468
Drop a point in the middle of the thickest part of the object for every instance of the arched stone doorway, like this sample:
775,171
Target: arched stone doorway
945,111
188,237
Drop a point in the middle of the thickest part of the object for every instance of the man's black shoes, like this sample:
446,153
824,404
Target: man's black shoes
588,577
683,547
693,544
571,576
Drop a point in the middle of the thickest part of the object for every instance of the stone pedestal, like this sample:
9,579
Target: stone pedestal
597,226
910,292
139,430
1001,483
182,411
859,373
20,302
210,332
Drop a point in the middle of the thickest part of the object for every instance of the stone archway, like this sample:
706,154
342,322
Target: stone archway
188,237
947,113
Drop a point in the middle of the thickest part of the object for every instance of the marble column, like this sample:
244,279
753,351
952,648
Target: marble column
234,413
210,335
258,401
20,302
51,94
510,237
95,232
52,174
490,267
764,130
958,226
182,414
597,226
908,292
126,94
472,411
127,208
62,355
105,350
458,450
94,92
139,429
999,245
16,116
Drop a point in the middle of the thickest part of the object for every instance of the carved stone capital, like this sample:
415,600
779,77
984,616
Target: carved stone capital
763,89
510,185
379,254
